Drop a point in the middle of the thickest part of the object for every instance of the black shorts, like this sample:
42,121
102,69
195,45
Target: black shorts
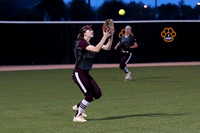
86,84
124,59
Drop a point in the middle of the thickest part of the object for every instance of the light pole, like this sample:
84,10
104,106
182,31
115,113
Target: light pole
198,4
181,2
156,10
89,9
140,3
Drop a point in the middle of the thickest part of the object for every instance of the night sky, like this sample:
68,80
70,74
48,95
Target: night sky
151,3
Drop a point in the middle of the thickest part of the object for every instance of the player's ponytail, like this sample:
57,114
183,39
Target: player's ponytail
81,33
79,37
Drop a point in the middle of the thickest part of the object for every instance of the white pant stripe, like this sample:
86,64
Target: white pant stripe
128,58
80,83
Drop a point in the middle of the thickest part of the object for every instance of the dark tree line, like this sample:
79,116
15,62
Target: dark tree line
56,10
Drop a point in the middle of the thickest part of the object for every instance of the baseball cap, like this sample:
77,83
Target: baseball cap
87,27
84,28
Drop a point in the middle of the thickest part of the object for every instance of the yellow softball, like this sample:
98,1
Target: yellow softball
121,12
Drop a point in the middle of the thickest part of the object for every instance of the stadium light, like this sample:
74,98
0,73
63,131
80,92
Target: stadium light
145,6
198,3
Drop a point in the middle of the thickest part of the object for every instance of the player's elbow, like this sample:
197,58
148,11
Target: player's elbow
136,45
107,49
96,50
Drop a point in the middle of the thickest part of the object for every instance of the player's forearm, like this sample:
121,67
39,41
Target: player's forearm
134,46
108,45
110,41
118,44
100,44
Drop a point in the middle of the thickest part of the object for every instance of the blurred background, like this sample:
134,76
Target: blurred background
44,31
75,10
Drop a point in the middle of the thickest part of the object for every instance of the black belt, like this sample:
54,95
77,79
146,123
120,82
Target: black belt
125,51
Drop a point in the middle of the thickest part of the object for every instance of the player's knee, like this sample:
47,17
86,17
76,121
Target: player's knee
98,95
89,98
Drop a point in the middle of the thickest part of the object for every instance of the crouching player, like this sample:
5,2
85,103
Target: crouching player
84,53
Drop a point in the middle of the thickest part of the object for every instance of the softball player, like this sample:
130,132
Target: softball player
84,53
127,43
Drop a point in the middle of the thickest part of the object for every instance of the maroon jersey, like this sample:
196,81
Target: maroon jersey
84,58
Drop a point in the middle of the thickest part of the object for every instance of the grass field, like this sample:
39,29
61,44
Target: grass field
157,100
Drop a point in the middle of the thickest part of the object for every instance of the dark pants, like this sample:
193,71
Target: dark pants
87,85
124,59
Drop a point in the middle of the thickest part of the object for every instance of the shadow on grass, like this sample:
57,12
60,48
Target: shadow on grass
137,115
154,79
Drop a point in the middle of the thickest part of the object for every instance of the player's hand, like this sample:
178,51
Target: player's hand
107,33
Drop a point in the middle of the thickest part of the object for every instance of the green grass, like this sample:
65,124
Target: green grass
158,100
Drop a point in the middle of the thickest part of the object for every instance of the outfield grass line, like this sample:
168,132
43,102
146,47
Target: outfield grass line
71,66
